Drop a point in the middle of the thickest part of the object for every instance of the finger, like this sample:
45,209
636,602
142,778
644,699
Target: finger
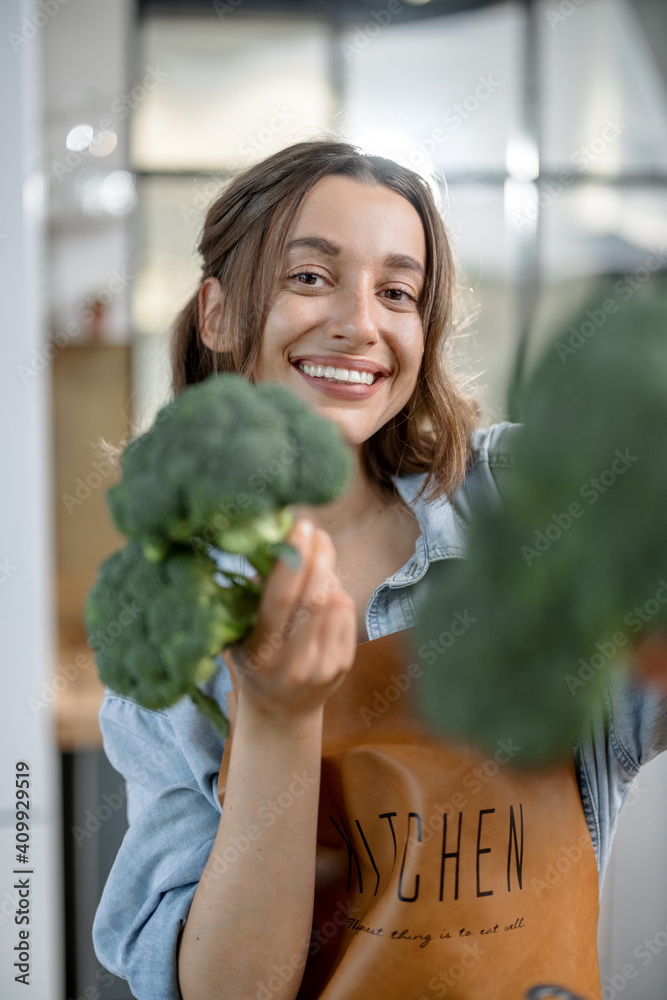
338,635
321,581
349,638
285,585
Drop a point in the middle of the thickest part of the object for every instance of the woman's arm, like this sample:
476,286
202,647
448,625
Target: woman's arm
252,911
251,915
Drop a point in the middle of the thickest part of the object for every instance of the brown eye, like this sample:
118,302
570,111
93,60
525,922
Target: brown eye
400,291
301,275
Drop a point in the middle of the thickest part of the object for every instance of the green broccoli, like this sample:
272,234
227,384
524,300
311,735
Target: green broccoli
218,470
221,462
156,626
554,574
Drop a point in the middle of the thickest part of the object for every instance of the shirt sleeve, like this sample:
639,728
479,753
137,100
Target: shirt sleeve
492,461
170,761
624,734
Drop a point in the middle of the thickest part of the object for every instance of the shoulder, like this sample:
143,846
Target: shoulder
494,445
490,465
445,523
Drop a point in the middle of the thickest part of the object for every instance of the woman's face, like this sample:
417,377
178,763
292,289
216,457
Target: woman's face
346,305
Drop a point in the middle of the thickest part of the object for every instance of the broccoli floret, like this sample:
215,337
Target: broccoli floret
227,456
156,627
551,577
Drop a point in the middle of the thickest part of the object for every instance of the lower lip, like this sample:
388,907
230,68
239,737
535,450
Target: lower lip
340,390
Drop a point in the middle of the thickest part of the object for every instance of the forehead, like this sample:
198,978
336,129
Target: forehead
362,217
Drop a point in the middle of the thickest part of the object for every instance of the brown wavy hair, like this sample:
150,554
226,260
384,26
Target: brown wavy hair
252,221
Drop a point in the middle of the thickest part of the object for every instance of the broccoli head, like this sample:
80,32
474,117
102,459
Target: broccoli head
227,456
157,626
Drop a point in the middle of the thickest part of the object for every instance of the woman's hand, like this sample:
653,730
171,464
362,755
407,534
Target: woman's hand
304,641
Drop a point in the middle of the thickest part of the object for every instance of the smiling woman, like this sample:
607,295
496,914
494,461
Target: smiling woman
333,848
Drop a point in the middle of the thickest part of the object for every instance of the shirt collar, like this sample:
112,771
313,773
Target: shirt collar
443,530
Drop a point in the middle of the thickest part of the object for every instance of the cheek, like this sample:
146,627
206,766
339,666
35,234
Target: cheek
410,351
288,316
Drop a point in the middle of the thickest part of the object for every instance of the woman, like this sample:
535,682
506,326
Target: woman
331,271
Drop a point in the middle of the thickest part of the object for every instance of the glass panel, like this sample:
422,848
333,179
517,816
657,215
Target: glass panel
475,215
227,94
168,269
604,99
450,84
593,230
172,211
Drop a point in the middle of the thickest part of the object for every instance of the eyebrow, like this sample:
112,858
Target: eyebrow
401,261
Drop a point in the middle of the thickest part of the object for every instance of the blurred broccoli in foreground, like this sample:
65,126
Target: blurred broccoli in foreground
218,470
563,576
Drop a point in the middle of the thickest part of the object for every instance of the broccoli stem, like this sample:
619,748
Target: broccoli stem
265,556
262,560
210,708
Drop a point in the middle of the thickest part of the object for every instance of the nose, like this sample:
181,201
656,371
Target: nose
353,318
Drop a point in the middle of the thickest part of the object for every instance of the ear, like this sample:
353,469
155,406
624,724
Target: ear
210,309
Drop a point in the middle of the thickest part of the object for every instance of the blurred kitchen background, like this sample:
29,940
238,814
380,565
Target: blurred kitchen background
544,125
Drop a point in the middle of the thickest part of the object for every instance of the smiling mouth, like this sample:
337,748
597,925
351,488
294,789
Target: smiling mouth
343,376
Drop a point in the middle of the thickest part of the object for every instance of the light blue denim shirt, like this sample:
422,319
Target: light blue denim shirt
170,759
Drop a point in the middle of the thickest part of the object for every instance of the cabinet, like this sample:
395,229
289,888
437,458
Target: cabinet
91,403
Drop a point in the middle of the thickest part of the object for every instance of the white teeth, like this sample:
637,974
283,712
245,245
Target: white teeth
337,374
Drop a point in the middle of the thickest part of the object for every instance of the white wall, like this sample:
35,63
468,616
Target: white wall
26,547
633,925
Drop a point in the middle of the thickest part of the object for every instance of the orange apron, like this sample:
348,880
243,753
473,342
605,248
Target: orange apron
441,872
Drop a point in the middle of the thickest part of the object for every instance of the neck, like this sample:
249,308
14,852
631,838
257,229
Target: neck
351,513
